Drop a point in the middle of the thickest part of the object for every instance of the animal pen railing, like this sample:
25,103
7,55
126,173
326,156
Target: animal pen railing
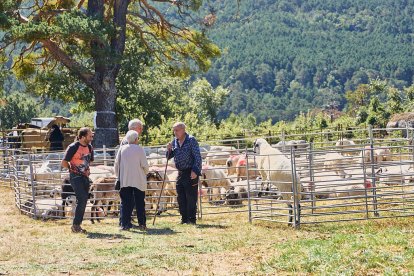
326,183
369,180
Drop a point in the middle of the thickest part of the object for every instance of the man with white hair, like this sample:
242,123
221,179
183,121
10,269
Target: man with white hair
134,124
187,158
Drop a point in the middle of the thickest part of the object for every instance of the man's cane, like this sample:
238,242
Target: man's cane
162,189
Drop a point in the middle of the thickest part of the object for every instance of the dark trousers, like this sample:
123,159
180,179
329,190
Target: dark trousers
187,193
80,185
120,212
132,197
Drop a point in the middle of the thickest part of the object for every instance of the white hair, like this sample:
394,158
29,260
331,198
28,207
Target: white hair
134,124
179,124
131,136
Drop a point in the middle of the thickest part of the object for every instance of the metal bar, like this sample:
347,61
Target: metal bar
374,190
295,193
249,203
33,185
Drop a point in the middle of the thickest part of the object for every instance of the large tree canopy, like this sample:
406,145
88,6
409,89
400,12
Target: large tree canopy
88,39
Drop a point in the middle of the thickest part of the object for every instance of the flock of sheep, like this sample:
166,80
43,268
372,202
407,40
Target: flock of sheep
229,177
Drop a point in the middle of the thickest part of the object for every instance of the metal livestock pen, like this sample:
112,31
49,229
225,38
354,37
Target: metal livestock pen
370,179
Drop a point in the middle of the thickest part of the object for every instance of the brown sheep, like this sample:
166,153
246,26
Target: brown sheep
105,193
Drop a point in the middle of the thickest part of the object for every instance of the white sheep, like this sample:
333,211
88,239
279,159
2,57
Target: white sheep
217,158
365,158
155,178
299,146
328,185
230,149
237,192
154,185
101,171
237,164
394,175
44,178
155,159
276,169
346,146
335,162
379,155
214,179
383,154
92,212
43,208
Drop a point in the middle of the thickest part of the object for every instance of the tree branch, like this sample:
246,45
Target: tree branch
80,3
118,42
73,66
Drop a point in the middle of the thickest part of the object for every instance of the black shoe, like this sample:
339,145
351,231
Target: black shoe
77,229
133,226
142,228
124,228
192,222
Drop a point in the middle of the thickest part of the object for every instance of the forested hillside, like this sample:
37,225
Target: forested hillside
281,57
278,58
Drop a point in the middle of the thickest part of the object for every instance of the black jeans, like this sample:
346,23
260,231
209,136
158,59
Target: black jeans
131,196
120,212
80,185
187,194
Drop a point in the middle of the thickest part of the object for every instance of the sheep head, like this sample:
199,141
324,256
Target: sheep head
258,144
71,200
229,162
55,193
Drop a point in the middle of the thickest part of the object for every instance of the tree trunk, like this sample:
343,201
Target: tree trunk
106,132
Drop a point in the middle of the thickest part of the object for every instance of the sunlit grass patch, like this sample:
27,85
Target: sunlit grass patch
223,244
388,250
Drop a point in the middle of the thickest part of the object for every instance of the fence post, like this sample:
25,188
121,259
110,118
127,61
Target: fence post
16,183
6,162
32,182
373,173
406,131
249,206
104,154
311,177
295,192
412,148
200,200
283,140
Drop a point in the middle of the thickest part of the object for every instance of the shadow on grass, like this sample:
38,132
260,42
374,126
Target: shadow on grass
156,231
94,235
206,226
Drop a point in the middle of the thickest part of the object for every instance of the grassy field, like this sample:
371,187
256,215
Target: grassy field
218,245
